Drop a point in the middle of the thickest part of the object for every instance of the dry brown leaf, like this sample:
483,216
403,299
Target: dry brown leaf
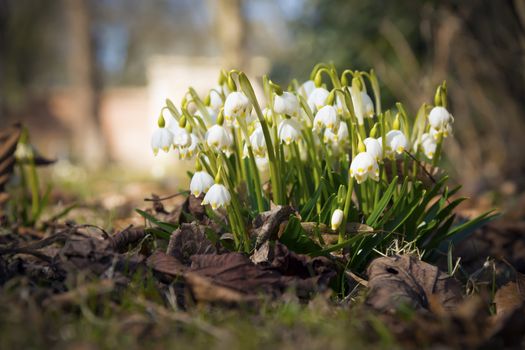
189,240
511,296
405,280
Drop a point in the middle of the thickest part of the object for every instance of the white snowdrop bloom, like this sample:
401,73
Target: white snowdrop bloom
363,107
306,89
326,117
317,98
162,139
287,103
364,166
200,183
337,219
373,147
216,101
368,105
429,145
396,142
181,136
439,119
340,104
258,142
217,196
341,137
219,138
189,151
236,105
289,130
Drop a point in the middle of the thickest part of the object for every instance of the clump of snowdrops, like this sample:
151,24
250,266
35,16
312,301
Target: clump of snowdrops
328,148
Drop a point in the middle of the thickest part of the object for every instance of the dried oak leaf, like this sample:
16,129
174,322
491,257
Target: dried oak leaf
189,240
130,236
405,280
510,296
266,224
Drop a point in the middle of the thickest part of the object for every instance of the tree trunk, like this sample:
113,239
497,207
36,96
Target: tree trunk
88,140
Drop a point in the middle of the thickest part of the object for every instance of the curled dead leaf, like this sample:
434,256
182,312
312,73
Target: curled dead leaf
405,280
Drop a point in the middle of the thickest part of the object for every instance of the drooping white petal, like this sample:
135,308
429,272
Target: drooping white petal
289,131
439,118
364,166
287,103
429,145
368,105
317,98
236,105
219,138
258,142
373,147
339,138
396,142
337,219
307,88
189,151
217,196
201,182
162,139
326,117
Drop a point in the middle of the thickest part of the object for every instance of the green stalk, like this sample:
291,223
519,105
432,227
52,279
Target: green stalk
274,175
346,210
256,180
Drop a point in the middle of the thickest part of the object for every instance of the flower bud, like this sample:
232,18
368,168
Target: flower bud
396,125
182,121
337,219
330,99
357,82
220,117
161,122
318,80
207,100
231,83
341,194
373,131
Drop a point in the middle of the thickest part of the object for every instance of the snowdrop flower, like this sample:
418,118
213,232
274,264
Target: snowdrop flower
396,142
337,219
189,151
287,103
217,196
307,88
289,131
162,139
363,107
439,119
429,145
216,101
200,183
258,143
317,98
326,117
373,147
236,105
364,166
341,137
181,137
368,105
219,138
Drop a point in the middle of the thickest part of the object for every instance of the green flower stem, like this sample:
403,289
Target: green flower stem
301,173
236,221
346,210
256,180
437,155
274,175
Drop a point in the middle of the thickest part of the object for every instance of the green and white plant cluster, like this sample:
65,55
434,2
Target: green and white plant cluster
328,148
